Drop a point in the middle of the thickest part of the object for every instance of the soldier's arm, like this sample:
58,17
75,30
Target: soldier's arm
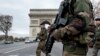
83,9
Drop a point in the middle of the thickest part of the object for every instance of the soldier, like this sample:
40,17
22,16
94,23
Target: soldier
42,35
97,43
80,26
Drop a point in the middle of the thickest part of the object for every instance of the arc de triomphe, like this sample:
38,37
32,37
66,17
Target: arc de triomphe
39,15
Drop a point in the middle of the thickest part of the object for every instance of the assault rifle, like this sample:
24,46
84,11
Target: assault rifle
60,21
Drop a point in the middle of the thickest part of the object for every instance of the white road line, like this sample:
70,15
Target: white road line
13,55
28,55
16,49
8,48
32,55
35,55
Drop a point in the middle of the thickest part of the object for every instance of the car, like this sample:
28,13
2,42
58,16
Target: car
8,42
28,41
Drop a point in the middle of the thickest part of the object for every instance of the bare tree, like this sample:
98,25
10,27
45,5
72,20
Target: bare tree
96,8
5,24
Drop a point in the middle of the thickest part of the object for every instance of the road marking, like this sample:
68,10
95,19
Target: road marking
3,50
13,55
28,55
9,48
16,49
18,55
42,54
32,55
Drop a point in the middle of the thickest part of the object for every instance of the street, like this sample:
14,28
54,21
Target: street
22,49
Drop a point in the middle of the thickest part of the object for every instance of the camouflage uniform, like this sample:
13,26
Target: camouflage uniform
74,34
42,37
97,43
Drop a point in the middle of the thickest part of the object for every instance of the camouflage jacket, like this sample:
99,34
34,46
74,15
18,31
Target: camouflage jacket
98,32
42,34
84,9
97,43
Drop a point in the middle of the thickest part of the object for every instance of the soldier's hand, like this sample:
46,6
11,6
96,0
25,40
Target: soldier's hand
56,34
59,33
89,40
90,43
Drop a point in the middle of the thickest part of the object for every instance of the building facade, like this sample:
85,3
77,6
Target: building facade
39,15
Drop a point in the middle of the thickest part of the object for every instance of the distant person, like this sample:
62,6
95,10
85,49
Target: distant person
97,43
42,36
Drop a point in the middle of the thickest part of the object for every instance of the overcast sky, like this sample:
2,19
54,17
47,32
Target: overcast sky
19,9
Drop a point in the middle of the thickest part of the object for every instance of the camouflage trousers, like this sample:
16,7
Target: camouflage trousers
40,47
71,51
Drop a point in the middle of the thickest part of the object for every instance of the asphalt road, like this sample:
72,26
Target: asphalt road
22,49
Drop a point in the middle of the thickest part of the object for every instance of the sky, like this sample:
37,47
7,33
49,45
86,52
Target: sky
19,9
